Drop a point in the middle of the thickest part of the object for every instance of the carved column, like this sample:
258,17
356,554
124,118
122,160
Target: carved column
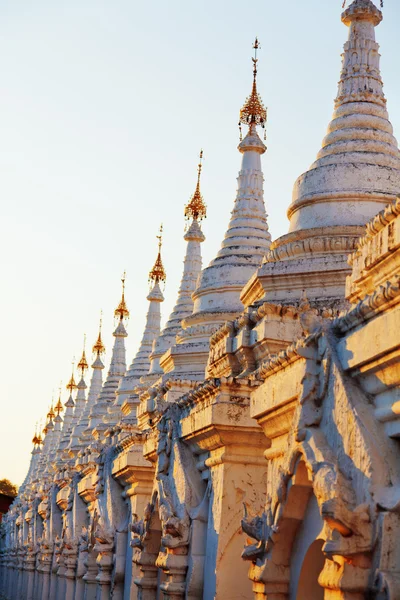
18,591
136,474
105,547
45,569
174,563
81,564
3,570
90,563
145,561
30,571
6,571
70,561
235,444
87,563
54,569
146,546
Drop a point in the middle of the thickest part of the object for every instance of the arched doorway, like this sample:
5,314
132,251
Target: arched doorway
307,559
313,563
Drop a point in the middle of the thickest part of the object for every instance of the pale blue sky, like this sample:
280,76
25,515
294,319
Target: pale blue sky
104,106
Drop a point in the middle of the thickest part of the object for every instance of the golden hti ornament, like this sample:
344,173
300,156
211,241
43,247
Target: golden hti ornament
71,385
59,407
51,414
35,439
83,364
157,273
99,348
253,110
122,311
196,209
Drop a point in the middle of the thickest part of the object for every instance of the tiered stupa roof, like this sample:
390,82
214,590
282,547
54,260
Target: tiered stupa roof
96,385
357,171
116,370
141,362
77,426
68,418
247,240
195,211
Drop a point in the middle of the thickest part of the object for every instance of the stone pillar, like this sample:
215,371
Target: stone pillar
70,561
30,573
43,588
24,578
136,474
81,564
238,476
18,591
53,571
3,571
105,547
89,578
60,577
174,563
145,561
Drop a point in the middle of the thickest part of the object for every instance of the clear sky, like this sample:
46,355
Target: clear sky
104,106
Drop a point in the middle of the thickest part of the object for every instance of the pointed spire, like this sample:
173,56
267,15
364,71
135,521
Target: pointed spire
122,311
71,385
247,239
253,112
59,407
358,165
356,171
116,371
83,364
140,364
68,417
48,431
96,385
80,403
191,270
196,209
34,463
35,439
157,273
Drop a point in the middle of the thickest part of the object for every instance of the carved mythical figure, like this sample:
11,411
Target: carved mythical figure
261,530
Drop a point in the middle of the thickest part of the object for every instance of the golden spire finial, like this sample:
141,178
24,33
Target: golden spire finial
59,406
253,110
39,437
99,347
157,273
196,209
35,439
83,364
51,414
122,310
71,385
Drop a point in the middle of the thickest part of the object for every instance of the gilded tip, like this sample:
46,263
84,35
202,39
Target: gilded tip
253,111
122,311
158,273
196,209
